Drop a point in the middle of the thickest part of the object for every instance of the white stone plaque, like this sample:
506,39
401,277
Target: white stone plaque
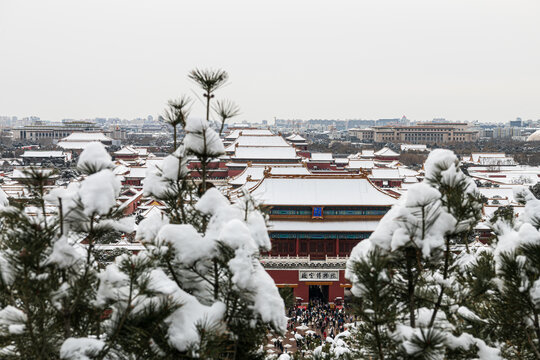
318,275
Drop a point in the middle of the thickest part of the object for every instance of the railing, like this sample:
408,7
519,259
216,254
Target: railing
307,259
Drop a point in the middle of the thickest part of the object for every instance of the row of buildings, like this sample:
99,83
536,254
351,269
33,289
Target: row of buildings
319,205
423,133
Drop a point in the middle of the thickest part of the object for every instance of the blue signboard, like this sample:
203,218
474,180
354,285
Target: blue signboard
318,212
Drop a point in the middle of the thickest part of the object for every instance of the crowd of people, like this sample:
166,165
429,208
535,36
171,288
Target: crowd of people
312,324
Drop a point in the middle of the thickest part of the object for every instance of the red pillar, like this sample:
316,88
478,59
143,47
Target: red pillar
302,290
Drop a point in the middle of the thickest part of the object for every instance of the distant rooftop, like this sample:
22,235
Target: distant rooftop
253,152
320,191
86,136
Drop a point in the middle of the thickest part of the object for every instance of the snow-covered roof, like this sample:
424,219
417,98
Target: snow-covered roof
295,137
508,177
153,210
137,172
496,161
367,153
130,150
403,171
506,192
73,145
121,170
322,157
154,162
86,136
413,147
256,172
386,152
43,154
476,156
253,132
271,140
394,173
490,210
382,173
255,152
535,136
320,190
360,164
333,226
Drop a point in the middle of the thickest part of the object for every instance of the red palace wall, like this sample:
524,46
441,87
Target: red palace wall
290,278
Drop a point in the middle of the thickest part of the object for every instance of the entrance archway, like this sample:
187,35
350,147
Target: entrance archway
318,293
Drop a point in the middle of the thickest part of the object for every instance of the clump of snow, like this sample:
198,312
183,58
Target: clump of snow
201,139
421,195
10,315
63,255
535,293
268,303
235,234
148,229
80,348
258,230
158,179
465,341
358,253
112,285
212,201
418,219
125,224
98,192
508,242
439,160
95,158
532,211
466,313
338,349
6,270
4,201
68,196
188,244
183,323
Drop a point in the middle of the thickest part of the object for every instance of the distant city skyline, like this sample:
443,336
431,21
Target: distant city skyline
155,117
463,60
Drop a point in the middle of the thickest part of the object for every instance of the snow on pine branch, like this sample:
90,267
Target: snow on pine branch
201,139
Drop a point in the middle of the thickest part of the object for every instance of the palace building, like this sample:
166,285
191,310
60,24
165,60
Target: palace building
314,222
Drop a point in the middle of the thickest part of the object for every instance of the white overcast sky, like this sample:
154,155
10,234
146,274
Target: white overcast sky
458,59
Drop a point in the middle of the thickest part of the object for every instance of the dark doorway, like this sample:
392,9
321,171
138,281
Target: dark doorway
318,293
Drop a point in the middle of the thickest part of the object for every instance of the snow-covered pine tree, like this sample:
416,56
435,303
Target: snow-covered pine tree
209,248
334,349
406,274
206,254
504,280
198,292
48,279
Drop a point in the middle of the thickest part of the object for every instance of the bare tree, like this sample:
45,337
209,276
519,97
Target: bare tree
226,109
209,80
176,113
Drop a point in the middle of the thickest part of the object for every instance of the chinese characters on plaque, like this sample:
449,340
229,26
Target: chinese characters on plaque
319,275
